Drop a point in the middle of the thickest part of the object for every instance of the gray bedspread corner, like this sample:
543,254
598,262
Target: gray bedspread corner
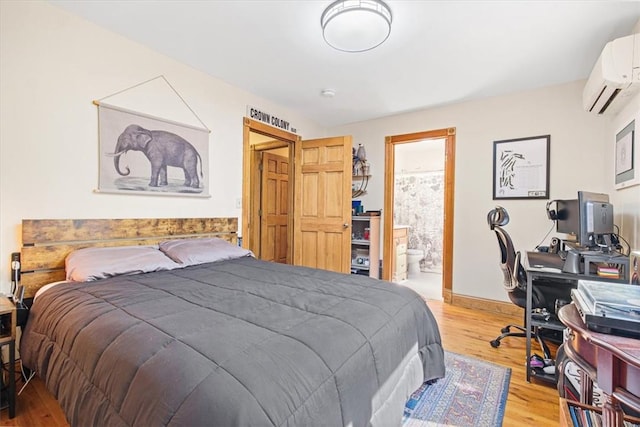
239,342
432,356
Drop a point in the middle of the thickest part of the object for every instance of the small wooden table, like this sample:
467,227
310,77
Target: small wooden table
8,337
612,361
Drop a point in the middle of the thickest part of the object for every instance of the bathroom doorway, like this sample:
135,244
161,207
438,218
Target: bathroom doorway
419,208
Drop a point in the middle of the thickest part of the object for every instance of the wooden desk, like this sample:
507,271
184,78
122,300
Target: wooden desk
614,360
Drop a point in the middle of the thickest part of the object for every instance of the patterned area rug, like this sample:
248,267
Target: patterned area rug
472,393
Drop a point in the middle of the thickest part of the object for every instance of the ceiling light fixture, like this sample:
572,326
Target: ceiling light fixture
356,25
328,93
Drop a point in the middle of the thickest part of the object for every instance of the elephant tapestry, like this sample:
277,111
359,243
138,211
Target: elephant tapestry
146,155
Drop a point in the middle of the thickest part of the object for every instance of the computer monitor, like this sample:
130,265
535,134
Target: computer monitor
588,219
596,220
568,217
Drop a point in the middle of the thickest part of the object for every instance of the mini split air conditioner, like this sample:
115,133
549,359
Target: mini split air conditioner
615,77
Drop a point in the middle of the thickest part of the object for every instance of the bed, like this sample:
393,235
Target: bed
215,340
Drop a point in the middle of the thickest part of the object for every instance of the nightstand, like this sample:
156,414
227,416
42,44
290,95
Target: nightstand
8,337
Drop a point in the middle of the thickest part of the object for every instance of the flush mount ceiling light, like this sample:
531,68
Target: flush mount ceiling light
328,93
356,25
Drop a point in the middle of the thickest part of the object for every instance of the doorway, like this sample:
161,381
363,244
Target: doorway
267,199
317,198
418,222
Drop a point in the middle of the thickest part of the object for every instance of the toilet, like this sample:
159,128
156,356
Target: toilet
413,260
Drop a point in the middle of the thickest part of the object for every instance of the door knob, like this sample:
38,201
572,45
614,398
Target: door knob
345,225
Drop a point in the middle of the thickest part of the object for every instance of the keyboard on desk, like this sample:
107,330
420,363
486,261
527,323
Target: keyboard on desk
544,260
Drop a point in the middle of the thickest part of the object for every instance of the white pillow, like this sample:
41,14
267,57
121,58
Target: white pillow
84,265
201,250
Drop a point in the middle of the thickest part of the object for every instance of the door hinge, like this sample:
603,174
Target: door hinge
260,212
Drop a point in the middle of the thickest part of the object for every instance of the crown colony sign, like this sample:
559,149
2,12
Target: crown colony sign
270,119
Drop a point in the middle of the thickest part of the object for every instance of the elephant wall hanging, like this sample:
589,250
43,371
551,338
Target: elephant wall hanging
148,155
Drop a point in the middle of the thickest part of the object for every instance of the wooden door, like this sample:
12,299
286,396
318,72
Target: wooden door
274,208
322,209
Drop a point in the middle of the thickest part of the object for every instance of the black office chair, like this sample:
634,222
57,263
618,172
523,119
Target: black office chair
515,279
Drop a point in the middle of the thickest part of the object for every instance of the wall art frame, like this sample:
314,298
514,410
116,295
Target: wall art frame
626,158
521,168
146,155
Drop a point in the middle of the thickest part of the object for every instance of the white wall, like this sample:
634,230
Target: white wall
52,66
427,155
579,161
626,201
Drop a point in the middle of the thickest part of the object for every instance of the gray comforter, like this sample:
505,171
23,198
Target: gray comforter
233,343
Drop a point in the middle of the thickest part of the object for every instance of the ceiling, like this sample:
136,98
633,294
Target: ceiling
438,53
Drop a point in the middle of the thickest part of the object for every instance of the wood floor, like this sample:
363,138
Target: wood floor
464,331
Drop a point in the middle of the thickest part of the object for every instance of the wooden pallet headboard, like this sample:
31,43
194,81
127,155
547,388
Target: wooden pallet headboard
47,242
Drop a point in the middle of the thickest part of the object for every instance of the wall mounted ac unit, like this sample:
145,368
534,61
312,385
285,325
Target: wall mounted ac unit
615,77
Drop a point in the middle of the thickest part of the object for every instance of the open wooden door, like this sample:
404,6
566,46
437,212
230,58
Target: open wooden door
322,208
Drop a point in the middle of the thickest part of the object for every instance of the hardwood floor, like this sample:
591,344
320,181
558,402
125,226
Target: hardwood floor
464,331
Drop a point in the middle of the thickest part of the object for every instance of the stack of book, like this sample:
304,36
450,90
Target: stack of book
584,417
589,418
608,272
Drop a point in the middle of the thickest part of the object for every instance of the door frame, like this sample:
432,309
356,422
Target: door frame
251,184
264,173
449,135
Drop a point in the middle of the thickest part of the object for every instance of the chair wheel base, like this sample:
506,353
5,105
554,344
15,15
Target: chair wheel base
505,330
495,343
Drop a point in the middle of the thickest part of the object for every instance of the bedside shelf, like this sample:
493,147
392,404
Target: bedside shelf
7,321
8,337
